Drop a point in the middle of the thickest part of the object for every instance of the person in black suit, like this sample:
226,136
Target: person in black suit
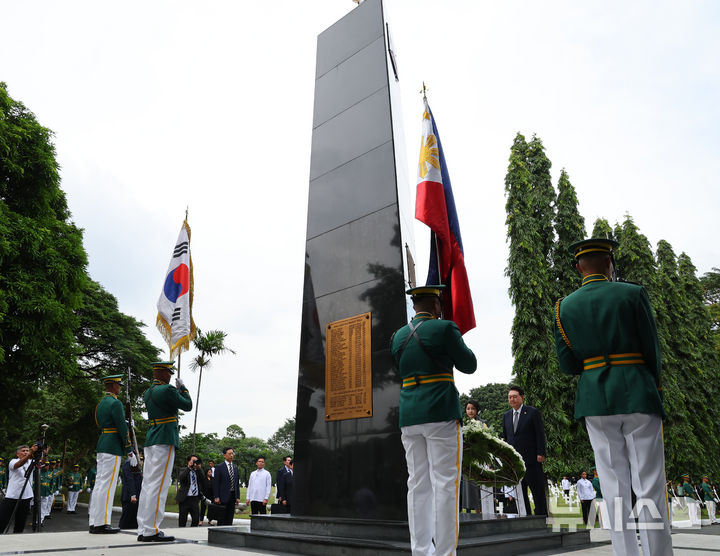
286,488
226,486
131,484
190,487
280,472
523,430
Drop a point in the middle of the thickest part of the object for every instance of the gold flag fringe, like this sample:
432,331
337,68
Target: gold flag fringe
182,344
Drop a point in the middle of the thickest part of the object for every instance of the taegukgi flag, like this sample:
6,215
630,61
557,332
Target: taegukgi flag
435,206
174,318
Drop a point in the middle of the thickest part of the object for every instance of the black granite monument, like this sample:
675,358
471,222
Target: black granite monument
357,228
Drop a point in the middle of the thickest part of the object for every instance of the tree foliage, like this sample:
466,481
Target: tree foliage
42,262
283,440
493,402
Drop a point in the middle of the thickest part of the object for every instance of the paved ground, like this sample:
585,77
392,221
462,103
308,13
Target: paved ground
66,535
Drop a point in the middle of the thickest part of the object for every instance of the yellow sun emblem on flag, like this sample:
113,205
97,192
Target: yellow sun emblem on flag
428,154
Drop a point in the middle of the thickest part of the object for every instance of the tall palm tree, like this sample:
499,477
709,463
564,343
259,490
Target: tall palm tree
208,344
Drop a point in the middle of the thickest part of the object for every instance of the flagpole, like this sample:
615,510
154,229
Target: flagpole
178,365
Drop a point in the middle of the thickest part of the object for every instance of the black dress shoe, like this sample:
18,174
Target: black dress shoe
91,528
140,538
160,537
104,530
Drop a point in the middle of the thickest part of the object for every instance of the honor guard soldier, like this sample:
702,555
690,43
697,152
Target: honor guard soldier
692,503
425,352
162,402
606,333
709,498
3,476
113,442
46,493
75,483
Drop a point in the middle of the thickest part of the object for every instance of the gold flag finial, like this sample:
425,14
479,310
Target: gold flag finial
424,91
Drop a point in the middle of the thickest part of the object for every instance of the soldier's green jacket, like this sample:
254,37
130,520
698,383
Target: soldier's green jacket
3,477
45,480
437,399
57,475
110,419
611,324
596,486
75,481
688,490
162,402
707,491
91,474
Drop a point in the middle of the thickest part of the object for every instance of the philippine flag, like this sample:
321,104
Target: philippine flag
435,206
174,318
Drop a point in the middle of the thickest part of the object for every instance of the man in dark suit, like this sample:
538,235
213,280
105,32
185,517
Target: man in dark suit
286,487
278,477
226,486
190,486
523,430
131,485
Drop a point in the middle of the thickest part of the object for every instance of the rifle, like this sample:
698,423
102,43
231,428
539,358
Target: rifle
131,424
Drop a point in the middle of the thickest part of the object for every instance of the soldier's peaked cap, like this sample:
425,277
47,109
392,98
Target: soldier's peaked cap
593,245
110,379
423,291
164,366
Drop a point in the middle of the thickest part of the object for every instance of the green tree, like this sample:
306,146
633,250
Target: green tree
602,228
235,432
210,344
569,228
702,371
634,257
529,220
42,264
283,439
710,282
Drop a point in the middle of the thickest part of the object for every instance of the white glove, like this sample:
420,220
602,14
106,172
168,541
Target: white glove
179,384
89,490
57,492
133,459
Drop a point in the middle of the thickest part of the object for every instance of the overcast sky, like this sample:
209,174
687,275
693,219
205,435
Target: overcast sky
159,105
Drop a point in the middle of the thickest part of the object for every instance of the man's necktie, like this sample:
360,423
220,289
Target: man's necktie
515,421
232,478
193,484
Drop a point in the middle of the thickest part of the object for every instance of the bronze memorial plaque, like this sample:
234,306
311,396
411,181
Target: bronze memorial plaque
348,369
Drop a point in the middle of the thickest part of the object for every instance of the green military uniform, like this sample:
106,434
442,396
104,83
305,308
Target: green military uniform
709,498
606,333
596,486
425,352
113,431
113,442
74,481
162,402
3,475
45,482
428,392
90,478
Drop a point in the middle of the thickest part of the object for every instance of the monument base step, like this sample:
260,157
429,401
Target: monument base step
349,537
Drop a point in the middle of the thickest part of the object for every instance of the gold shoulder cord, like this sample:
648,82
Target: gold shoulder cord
559,324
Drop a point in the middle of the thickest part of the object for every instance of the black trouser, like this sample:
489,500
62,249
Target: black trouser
6,510
203,509
229,512
586,510
535,480
128,517
257,507
189,505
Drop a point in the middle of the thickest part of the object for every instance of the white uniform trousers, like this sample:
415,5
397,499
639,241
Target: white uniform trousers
157,474
434,458
629,453
72,500
101,501
692,506
711,510
45,506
